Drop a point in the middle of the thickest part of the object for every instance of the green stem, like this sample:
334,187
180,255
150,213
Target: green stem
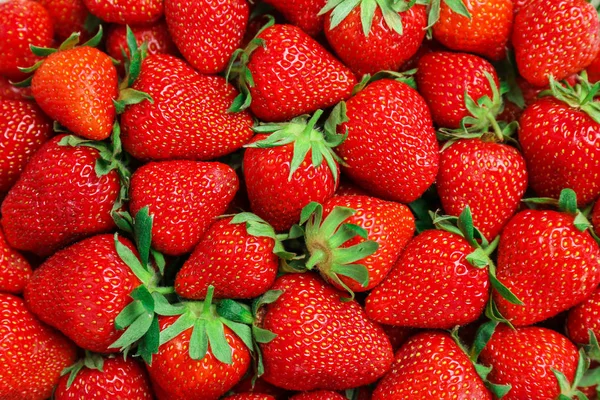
164,290
317,256
497,129
492,246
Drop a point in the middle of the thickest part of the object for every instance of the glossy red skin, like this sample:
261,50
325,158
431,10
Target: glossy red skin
323,342
558,38
561,146
318,395
67,16
391,225
119,379
58,200
103,281
249,396
474,35
22,23
524,357
383,48
547,263
189,118
303,13
583,317
24,128
421,371
432,285
15,270
295,75
126,12
596,217
490,178
32,354
391,150
10,92
184,197
175,376
156,35
207,32
444,77
398,335
77,87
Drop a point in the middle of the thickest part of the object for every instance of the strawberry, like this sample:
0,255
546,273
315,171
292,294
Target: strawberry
318,395
10,92
98,377
59,199
183,197
322,341
374,155
22,23
284,73
237,255
465,26
32,354
556,39
596,217
249,396
67,16
208,31
371,36
132,12
23,130
15,270
188,119
304,14
398,335
419,372
593,70
584,317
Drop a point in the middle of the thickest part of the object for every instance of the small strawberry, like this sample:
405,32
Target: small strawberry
304,14
15,270
322,341
319,395
584,317
11,92
207,32
68,16
132,12
557,38
22,23
372,36
183,197
32,354
23,130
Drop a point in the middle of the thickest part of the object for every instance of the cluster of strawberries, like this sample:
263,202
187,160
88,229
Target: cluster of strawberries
225,200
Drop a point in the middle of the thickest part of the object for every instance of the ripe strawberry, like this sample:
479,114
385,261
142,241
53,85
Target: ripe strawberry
208,31
126,12
584,317
556,38
236,256
112,378
10,92
59,199
445,79
369,42
23,130
472,34
15,270
535,248
188,119
292,75
22,23
391,150
67,16
304,14
322,341
184,197
318,395
32,354
420,372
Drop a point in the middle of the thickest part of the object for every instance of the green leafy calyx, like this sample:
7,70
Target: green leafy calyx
581,96
90,361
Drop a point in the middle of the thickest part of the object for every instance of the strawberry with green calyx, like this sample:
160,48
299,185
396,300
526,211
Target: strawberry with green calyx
374,35
291,167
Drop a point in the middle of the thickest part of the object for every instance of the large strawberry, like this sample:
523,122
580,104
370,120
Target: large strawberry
22,23
207,32
323,341
374,36
584,317
304,14
15,270
134,12
32,354
23,130
59,199
557,38
68,16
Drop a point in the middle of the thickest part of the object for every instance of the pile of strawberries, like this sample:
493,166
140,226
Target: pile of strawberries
305,200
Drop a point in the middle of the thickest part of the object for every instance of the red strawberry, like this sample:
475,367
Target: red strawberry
535,248
431,366
249,396
207,31
322,341
59,199
557,38
596,217
584,317
112,378
292,75
132,12
15,271
23,130
67,16
391,149
22,23
369,42
32,354
318,395
10,92
236,255
304,14
184,197
188,119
